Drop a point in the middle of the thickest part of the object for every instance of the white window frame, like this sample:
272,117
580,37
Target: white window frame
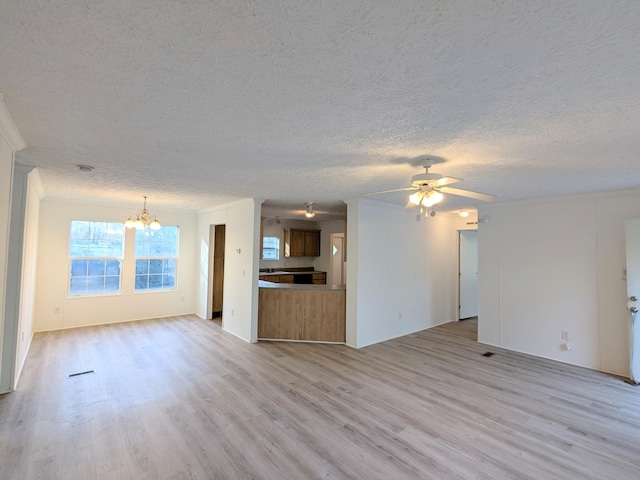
275,249
150,258
88,258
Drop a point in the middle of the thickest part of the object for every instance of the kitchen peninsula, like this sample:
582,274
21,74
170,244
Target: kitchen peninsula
301,312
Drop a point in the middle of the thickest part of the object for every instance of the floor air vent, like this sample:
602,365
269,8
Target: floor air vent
488,354
80,373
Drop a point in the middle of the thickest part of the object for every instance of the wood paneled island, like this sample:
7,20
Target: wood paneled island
312,313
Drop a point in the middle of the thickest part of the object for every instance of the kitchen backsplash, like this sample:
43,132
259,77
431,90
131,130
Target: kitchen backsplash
287,262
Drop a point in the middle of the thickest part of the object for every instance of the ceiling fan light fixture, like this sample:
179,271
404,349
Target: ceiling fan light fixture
310,213
416,198
431,198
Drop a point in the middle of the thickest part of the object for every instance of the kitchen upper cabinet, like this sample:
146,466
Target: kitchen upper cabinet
301,243
312,244
294,243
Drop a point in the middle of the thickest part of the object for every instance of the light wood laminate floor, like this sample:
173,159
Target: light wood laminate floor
178,398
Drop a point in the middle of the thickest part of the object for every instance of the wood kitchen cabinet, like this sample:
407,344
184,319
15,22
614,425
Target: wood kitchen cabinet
319,278
301,243
287,278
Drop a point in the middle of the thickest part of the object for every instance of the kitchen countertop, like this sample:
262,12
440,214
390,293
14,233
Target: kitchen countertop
299,286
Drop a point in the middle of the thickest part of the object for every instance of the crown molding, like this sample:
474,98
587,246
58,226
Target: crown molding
9,129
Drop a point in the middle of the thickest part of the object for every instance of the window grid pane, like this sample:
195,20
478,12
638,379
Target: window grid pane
155,274
95,276
270,248
95,255
156,255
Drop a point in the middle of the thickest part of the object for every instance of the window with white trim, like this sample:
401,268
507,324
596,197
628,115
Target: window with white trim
156,255
270,248
95,257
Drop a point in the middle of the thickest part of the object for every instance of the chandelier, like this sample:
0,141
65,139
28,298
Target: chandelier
143,220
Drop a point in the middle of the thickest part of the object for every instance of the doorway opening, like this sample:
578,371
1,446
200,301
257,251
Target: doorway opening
467,274
217,239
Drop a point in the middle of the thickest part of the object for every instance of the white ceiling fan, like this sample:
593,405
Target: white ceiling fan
430,187
310,211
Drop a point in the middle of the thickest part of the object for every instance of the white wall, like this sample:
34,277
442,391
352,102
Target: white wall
55,309
323,262
11,141
242,255
29,256
401,272
553,265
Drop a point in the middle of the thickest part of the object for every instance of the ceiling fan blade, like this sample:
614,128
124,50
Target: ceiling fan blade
468,194
389,191
441,182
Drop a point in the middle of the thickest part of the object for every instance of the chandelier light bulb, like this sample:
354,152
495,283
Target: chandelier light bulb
155,225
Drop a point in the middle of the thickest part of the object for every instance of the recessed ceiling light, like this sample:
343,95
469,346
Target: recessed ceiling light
86,168
463,213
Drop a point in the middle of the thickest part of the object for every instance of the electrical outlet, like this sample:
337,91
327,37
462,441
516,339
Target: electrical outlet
565,335
56,309
233,312
400,316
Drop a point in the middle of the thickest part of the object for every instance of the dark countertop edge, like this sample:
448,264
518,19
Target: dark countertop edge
287,272
301,286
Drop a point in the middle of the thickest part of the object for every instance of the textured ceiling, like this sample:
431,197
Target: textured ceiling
199,103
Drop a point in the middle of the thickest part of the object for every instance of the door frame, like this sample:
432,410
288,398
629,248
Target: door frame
632,232
212,236
331,237
458,266
210,266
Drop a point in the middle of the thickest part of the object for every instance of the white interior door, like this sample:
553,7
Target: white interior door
468,274
633,294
